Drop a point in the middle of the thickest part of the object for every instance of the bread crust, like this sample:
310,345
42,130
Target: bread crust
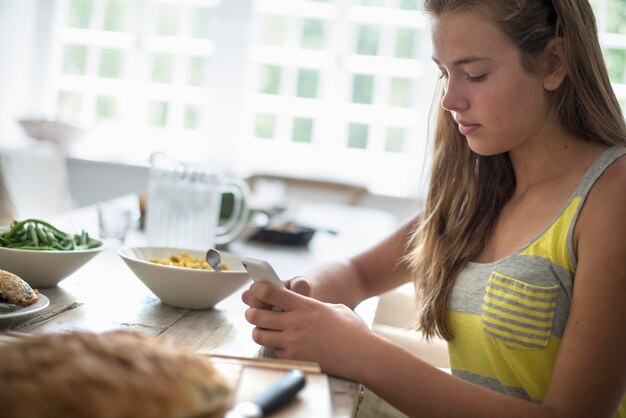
116,374
16,291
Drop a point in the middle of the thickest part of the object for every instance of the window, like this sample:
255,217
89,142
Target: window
330,88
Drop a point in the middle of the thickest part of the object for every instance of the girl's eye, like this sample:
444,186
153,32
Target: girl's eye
476,79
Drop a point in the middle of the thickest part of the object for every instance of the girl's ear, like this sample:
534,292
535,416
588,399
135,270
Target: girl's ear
554,64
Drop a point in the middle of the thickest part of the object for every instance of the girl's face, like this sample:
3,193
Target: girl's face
497,104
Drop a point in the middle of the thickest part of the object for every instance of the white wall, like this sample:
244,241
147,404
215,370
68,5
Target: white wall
25,27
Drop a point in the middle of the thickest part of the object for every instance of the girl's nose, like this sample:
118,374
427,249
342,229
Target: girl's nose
454,99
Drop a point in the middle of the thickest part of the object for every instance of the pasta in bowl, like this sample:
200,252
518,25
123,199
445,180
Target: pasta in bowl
178,278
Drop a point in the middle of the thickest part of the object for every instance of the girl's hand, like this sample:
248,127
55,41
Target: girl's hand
305,328
298,284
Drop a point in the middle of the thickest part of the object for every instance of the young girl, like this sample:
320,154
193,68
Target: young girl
520,253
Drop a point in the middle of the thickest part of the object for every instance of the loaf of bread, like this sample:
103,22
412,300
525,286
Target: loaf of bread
115,374
16,291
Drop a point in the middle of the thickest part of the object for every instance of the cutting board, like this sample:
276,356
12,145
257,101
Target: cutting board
249,376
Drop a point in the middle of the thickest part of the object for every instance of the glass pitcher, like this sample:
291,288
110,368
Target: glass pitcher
184,205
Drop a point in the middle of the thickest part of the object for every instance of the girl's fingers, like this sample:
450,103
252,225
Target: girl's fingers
267,338
281,298
300,284
265,318
253,302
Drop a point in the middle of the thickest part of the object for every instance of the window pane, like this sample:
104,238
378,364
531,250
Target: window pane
410,4
197,70
106,107
157,114
192,117
79,13
110,63
363,89
312,34
270,79
116,15
307,83
265,125
400,92
69,104
377,3
616,64
167,20
357,135
274,30
202,22
616,16
162,68
367,40
302,130
394,142
405,43
74,59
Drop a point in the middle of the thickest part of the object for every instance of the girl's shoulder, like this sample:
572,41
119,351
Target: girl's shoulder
606,202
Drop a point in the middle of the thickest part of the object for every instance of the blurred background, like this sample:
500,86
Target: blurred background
335,91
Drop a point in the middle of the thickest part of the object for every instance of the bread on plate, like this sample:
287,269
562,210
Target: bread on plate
115,374
15,291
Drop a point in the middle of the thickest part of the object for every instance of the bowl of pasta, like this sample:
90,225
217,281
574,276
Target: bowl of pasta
182,278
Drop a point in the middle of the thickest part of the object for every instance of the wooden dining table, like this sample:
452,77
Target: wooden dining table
104,294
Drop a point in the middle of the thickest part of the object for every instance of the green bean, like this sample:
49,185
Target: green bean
40,235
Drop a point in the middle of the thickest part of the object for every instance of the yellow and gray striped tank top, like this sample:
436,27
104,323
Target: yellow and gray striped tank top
508,316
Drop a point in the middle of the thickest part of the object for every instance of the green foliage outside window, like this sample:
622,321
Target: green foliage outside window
616,64
79,13
167,19
367,40
312,34
162,68
192,117
74,59
307,83
302,130
69,105
116,15
110,63
157,114
400,92
265,125
405,43
357,135
270,79
201,22
363,89
106,107
197,69
394,141
275,30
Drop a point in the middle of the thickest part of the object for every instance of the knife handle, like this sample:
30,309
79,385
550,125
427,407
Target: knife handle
280,393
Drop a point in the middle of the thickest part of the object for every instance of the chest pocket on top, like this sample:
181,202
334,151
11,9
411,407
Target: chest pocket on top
517,313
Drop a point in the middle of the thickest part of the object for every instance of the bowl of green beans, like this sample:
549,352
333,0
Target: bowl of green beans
43,255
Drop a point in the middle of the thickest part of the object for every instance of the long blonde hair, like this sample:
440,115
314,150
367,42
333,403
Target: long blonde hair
467,191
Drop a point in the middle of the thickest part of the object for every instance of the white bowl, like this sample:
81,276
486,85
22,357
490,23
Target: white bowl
45,268
51,130
185,287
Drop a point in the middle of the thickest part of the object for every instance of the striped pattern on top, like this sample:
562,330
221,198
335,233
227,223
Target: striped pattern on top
518,313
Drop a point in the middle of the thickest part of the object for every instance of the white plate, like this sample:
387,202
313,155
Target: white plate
10,311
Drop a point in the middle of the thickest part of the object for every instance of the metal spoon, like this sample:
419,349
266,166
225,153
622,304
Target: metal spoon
214,259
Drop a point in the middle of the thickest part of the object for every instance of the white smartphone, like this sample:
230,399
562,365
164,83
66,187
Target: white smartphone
261,271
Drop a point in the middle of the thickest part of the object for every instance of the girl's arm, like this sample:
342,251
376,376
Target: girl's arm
370,273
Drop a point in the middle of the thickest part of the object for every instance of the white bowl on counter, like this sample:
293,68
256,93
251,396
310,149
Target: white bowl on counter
184,287
45,268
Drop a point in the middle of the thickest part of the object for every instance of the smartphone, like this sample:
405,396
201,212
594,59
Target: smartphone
261,271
